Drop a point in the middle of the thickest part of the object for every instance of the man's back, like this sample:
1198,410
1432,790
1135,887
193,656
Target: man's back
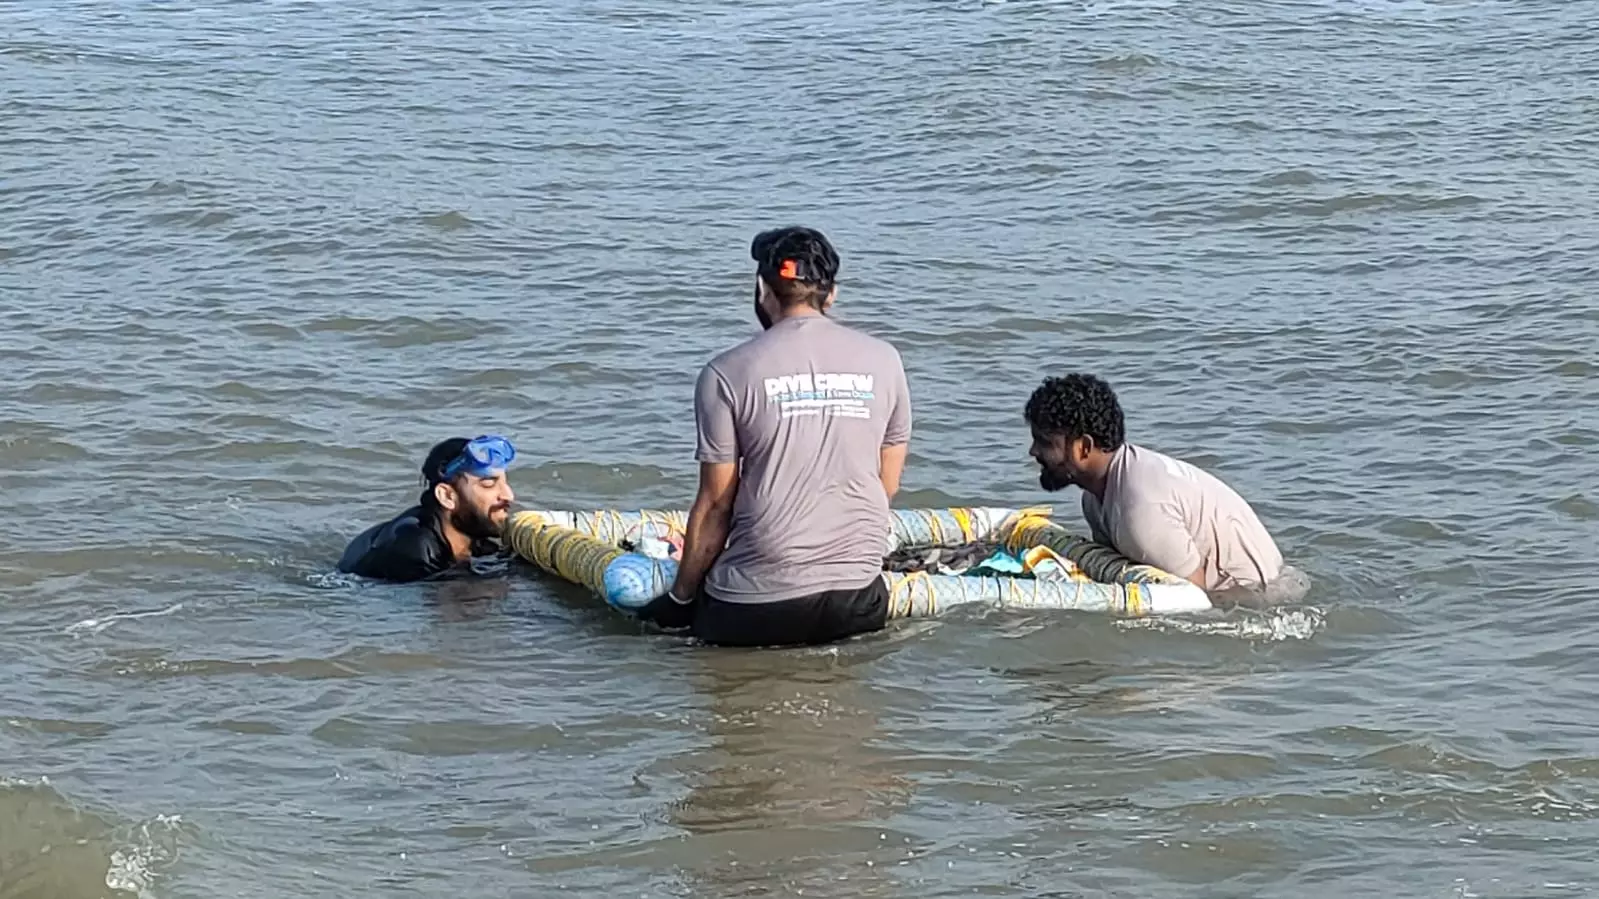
1171,514
807,406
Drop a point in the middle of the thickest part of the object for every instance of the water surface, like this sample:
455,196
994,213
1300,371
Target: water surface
256,258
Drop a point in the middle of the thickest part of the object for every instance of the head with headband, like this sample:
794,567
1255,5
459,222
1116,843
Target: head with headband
466,483
795,270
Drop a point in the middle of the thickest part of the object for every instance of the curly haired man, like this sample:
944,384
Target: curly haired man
1152,508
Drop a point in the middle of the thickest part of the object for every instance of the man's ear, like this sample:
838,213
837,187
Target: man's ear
831,296
445,494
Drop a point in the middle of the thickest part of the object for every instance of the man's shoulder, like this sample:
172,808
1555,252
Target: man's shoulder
1154,476
1147,460
732,357
865,340
403,548
411,531
739,355
823,336
834,339
408,522
1139,475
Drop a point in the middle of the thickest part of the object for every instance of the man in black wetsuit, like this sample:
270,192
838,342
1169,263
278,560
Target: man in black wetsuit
460,512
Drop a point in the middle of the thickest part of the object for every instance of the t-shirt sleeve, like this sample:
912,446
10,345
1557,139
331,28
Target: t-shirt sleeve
1154,533
716,434
898,430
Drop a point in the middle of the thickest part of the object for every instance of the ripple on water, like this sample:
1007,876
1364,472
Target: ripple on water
354,663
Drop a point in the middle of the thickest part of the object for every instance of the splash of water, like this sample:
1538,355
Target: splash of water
1274,626
151,847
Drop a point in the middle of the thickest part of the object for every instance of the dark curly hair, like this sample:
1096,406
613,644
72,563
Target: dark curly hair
812,264
1077,405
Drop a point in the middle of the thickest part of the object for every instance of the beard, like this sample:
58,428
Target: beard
479,525
760,314
1053,479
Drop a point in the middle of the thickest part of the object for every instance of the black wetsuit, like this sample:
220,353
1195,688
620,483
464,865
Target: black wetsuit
409,547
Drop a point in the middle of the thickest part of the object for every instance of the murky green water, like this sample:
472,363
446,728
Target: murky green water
255,258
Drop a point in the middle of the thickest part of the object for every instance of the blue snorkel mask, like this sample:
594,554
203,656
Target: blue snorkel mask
481,457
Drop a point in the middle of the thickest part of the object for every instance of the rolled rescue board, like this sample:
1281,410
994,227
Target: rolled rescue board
586,548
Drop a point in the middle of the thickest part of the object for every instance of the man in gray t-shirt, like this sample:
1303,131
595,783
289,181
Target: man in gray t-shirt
1150,507
802,434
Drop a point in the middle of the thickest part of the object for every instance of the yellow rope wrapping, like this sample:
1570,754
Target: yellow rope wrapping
933,527
918,594
1134,605
561,551
609,525
915,594
582,556
1101,563
1024,514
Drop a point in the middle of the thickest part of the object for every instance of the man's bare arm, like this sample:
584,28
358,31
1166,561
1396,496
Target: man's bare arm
708,522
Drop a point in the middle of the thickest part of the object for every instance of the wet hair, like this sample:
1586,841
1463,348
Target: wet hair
439,456
814,265
1075,406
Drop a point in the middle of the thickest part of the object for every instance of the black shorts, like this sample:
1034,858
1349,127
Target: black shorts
803,621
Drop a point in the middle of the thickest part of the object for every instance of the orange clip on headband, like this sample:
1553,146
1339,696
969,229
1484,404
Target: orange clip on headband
788,270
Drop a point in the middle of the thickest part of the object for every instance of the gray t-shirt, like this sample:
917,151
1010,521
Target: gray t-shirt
1167,513
807,406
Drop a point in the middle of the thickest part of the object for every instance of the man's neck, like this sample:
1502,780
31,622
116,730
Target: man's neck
1098,474
460,543
803,310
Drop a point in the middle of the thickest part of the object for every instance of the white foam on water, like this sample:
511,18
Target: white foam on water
129,872
136,851
1299,623
97,625
332,580
133,868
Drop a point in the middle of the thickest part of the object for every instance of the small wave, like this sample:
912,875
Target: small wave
52,846
1577,506
190,218
1278,625
353,663
395,333
46,54
126,191
97,625
39,447
1343,204
1289,178
489,378
446,221
1126,62
590,474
